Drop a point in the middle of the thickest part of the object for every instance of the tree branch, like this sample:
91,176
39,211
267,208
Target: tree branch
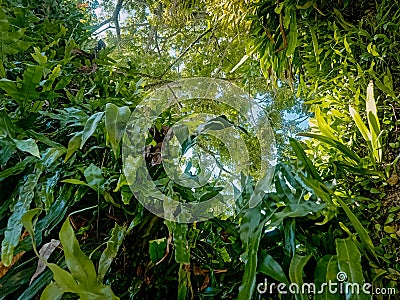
98,26
113,19
116,22
186,50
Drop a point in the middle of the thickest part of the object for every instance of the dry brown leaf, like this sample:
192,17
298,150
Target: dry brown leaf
4,269
205,283
393,179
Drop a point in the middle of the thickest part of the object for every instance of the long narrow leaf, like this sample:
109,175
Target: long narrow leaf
349,262
108,255
362,233
301,155
325,272
115,121
14,225
90,127
360,124
338,145
323,125
296,273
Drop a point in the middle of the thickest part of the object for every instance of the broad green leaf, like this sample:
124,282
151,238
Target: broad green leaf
90,127
262,187
269,266
325,272
116,119
296,273
182,255
108,198
63,279
37,286
2,70
11,42
126,194
93,176
306,5
383,87
108,255
27,222
73,145
349,262
157,249
279,8
14,225
345,25
362,233
44,139
375,136
81,267
28,145
50,156
11,89
52,291
218,123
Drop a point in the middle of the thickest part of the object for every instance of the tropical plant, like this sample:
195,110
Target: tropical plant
70,225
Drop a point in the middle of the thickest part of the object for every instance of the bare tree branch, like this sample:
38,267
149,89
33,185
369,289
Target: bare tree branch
113,19
186,50
116,22
98,26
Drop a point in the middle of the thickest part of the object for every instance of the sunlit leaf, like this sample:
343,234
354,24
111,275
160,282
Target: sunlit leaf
28,145
90,127
116,119
363,234
52,291
108,255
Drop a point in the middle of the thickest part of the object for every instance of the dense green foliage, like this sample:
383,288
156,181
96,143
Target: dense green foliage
69,224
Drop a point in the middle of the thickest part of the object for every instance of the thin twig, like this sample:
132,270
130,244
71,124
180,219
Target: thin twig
285,43
186,50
